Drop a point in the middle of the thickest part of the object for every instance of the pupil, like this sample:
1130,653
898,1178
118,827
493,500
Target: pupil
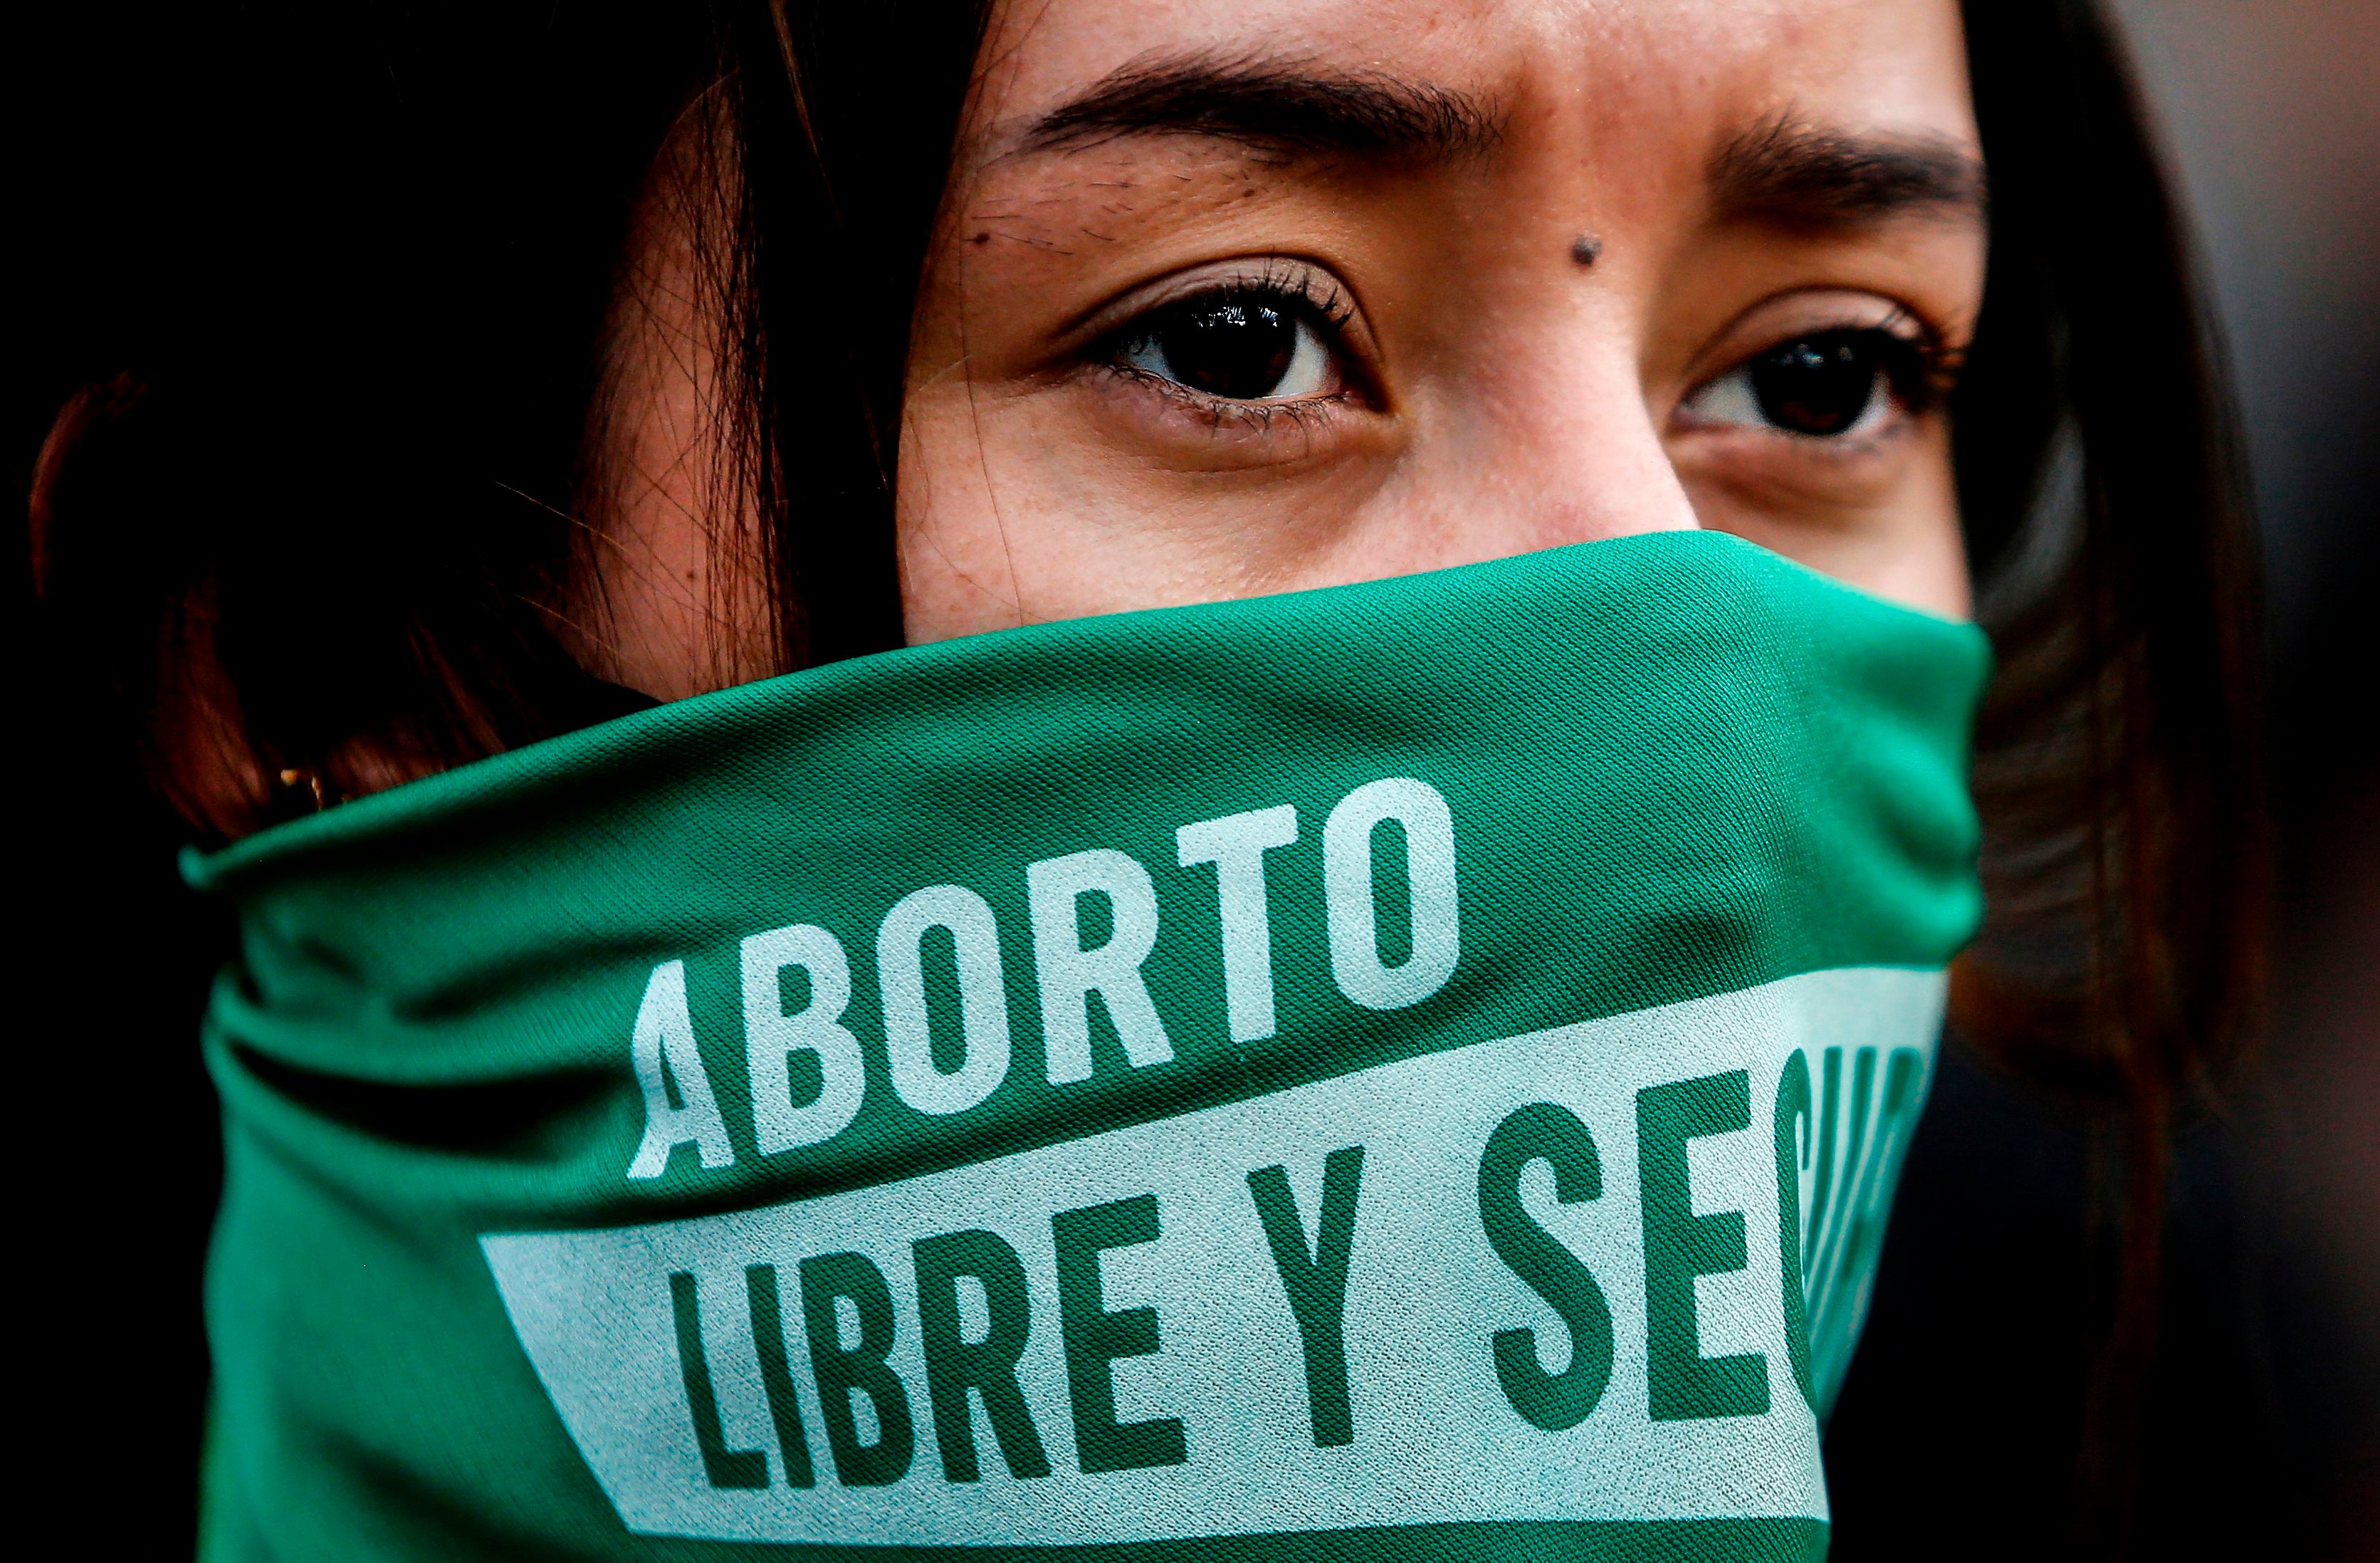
1236,347
1818,386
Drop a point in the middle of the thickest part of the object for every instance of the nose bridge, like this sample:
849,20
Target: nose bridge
1574,445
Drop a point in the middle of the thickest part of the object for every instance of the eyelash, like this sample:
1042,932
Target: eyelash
1922,368
1307,291
1917,369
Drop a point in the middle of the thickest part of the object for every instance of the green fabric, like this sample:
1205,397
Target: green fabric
1413,1070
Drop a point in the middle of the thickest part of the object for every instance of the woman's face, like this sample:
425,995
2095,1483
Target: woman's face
1234,296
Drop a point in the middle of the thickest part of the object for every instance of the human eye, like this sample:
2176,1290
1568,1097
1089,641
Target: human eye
1814,424
1240,345
1849,384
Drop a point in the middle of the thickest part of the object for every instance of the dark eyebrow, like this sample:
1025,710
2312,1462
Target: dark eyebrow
1791,172
1288,106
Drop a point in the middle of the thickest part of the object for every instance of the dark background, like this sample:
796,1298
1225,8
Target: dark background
1959,1429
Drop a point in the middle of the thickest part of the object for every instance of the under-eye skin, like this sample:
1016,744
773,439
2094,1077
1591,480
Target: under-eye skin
1259,347
1847,386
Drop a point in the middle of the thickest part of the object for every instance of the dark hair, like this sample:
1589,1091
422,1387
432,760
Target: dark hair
395,264
2116,763
387,242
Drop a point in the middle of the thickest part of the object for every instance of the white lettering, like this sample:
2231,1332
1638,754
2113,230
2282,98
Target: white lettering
665,1037
1236,844
772,1036
1428,829
983,998
1070,974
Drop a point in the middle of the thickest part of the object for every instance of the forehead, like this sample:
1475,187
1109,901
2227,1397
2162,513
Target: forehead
1623,72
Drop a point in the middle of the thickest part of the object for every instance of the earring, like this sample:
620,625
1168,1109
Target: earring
311,781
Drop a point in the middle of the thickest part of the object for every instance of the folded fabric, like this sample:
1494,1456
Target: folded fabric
1416,1069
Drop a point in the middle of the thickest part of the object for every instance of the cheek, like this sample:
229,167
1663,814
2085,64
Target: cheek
958,552
1019,507
1892,530
1006,515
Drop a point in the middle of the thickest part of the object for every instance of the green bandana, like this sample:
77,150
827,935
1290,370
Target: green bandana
1414,1071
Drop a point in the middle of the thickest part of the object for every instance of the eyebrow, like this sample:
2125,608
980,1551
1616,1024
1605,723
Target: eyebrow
1286,106
1791,172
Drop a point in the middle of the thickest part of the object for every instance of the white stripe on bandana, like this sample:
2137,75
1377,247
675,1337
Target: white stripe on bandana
1166,1386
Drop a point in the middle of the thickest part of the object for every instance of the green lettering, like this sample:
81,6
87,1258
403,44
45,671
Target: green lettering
842,1372
1830,1115
1793,1131
1896,1116
723,1466
1544,1131
1860,1217
777,1374
1316,1283
955,1365
1095,1338
1679,1245
1826,1243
